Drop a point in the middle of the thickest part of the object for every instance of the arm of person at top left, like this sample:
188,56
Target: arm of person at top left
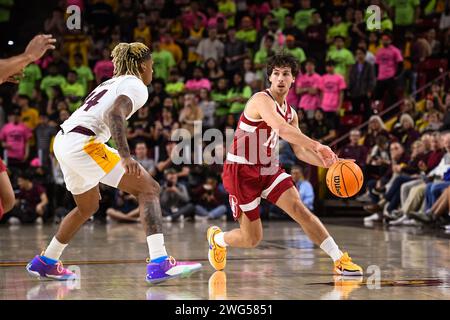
308,155
116,118
34,51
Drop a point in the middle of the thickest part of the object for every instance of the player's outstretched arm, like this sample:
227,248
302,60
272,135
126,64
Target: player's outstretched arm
34,51
259,106
117,116
307,155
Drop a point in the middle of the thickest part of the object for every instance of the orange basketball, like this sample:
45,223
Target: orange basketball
344,179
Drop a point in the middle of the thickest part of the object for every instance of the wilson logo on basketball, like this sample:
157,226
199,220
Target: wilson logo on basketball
337,185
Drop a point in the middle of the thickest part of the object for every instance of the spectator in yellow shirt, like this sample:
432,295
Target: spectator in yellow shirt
168,44
142,30
29,115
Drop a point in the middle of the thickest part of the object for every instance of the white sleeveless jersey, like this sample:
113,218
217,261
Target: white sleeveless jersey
93,113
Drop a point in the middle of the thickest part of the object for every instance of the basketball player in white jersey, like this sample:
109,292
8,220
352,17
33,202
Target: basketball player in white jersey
252,171
85,160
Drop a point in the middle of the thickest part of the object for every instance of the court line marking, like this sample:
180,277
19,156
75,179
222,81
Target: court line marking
93,262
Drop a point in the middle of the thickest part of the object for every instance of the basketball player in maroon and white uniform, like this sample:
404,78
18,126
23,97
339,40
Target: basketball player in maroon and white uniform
251,171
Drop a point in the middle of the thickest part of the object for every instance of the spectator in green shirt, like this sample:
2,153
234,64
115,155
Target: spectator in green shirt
238,94
247,32
297,52
406,12
303,17
385,23
162,61
338,28
73,91
279,12
342,57
262,56
219,95
228,9
85,75
174,86
52,79
31,74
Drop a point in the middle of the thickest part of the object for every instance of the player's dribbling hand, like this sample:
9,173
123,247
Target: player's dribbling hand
39,45
131,167
327,155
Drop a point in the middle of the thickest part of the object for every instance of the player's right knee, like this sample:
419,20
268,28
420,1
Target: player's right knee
252,241
88,211
151,189
8,203
301,210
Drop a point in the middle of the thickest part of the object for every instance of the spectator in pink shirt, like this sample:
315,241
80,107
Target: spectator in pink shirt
332,86
308,87
104,69
198,82
213,15
389,63
190,14
14,136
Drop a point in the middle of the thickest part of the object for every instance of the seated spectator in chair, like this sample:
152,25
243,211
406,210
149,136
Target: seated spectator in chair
434,121
407,133
210,200
375,128
378,159
304,188
31,201
427,190
405,173
175,200
376,187
322,129
125,208
141,153
354,150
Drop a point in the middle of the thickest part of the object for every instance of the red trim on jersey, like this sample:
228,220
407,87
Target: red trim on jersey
249,122
2,166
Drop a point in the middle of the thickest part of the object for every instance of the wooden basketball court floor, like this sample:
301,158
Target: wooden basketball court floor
111,261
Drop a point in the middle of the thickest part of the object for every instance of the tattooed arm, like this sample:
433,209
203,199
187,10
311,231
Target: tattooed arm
116,118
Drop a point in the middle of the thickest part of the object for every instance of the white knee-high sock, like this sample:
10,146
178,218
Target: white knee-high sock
219,239
54,249
156,247
330,247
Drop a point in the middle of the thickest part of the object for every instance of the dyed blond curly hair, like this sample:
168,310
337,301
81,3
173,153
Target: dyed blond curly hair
128,56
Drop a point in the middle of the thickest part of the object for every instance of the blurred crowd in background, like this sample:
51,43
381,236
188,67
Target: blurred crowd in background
209,58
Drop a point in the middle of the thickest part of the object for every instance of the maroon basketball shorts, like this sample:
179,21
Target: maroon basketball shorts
247,184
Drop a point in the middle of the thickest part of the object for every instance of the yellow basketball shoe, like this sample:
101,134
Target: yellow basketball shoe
344,266
217,255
